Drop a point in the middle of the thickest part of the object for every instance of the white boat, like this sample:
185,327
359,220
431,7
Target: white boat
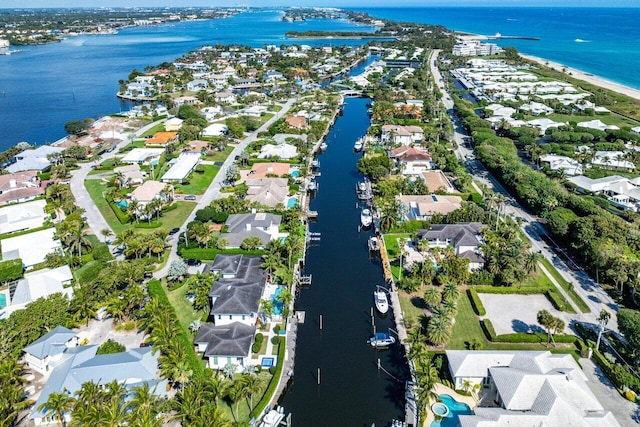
374,244
323,146
312,186
358,145
366,218
274,418
381,340
381,300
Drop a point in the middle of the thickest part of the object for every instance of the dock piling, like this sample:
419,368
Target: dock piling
321,322
318,376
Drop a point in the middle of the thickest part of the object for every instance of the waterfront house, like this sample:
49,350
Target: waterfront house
20,187
31,248
48,349
79,365
526,388
39,284
23,216
181,167
422,208
262,225
297,122
33,159
228,344
235,295
411,160
186,100
404,135
264,170
268,191
464,237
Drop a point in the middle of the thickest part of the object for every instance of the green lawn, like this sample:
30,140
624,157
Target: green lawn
199,182
467,329
220,156
568,287
410,313
391,242
184,310
612,119
171,219
157,128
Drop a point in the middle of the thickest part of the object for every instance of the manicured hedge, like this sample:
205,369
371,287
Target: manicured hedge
255,347
122,217
273,384
153,224
476,303
558,301
504,290
487,328
210,253
11,269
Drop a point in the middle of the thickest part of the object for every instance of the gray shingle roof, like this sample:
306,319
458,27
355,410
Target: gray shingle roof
240,294
461,234
232,340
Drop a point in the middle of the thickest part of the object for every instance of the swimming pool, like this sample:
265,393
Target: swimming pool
123,204
292,202
277,305
455,408
3,301
295,173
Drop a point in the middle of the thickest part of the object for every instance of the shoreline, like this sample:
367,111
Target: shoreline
574,72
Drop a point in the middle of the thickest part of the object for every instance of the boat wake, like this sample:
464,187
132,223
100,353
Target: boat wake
581,41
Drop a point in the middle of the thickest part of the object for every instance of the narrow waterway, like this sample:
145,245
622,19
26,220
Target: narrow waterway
352,391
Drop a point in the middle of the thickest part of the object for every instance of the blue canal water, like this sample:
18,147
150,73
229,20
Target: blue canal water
352,392
43,87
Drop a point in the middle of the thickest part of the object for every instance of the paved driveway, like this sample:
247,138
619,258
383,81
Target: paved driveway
627,413
518,313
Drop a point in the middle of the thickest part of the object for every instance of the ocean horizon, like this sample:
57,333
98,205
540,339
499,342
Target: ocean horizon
45,86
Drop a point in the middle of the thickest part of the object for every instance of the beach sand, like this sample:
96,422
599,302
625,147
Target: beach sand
575,73
589,78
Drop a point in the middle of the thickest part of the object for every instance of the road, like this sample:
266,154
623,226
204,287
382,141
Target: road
213,192
595,297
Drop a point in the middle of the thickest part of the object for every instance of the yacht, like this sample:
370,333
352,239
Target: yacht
366,218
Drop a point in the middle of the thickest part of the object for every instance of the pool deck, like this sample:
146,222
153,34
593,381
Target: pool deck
443,389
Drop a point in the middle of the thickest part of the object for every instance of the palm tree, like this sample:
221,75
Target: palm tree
285,297
58,405
144,403
450,292
106,233
236,393
551,324
253,386
438,330
432,296
531,261
603,319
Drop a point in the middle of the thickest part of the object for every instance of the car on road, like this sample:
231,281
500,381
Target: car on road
190,197
173,231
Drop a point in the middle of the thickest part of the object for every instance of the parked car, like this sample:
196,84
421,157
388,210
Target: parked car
174,231
190,197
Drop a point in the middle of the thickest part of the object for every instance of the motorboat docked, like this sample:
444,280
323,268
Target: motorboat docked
323,146
315,163
363,190
366,218
374,244
359,144
381,300
312,186
274,418
381,340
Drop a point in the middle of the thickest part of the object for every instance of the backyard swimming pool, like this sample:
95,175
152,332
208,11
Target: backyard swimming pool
3,301
455,408
292,202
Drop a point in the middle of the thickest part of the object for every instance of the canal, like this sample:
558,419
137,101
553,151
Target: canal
352,390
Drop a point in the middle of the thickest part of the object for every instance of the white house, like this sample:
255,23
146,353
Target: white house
404,135
423,207
31,247
23,216
181,167
216,129
283,151
567,164
265,226
597,124
543,124
48,349
536,108
142,155
152,190
38,284
530,388
464,237
197,85
228,344
36,159
612,159
173,124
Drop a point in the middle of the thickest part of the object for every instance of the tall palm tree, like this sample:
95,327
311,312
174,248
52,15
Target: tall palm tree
236,393
450,292
531,261
253,385
58,405
439,330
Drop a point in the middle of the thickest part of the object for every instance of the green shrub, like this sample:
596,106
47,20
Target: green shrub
11,269
476,303
536,337
255,348
122,217
100,252
176,285
505,290
487,328
210,253
152,224
275,340
169,208
86,258
44,176
558,301
110,347
276,329
276,371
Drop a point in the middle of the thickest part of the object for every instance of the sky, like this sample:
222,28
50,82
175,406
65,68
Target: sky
333,3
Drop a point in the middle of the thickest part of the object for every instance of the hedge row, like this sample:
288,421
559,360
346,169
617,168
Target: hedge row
273,384
255,347
210,253
528,290
522,337
122,217
157,292
476,303
559,301
11,269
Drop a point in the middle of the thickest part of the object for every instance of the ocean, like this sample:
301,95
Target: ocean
44,87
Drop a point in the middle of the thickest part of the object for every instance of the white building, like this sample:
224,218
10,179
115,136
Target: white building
182,166
531,388
612,159
23,216
31,247
142,155
567,164
216,129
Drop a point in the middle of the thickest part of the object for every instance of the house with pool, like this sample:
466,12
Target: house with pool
526,388
234,304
